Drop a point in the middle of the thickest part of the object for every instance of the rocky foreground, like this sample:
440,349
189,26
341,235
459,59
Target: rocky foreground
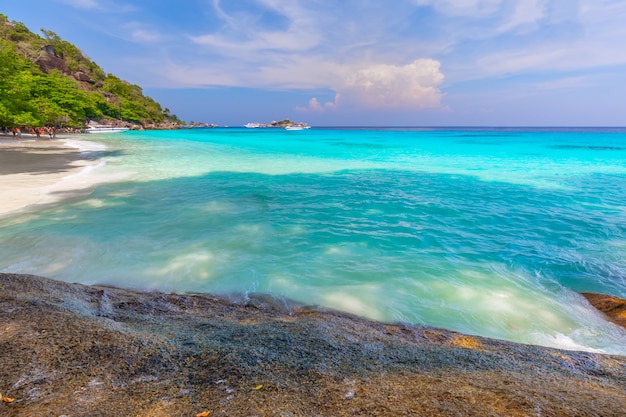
74,350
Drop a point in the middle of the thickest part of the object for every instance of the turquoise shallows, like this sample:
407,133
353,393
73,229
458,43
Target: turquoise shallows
484,231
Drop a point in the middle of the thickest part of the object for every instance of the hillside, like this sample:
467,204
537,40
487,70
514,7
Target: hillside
47,81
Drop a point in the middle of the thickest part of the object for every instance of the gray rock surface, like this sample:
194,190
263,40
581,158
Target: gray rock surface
75,350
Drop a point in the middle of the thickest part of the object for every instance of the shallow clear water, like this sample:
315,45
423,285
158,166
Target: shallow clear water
484,231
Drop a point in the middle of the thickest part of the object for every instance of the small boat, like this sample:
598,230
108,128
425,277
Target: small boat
297,127
252,125
94,128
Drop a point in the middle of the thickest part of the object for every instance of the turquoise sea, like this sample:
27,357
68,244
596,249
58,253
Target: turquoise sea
486,231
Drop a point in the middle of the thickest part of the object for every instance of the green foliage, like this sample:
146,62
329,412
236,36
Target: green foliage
73,57
31,97
15,83
58,100
133,105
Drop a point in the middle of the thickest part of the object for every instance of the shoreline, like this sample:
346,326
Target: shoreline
38,172
58,170
199,354
187,354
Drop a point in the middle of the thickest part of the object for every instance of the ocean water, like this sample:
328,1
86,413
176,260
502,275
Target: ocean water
490,232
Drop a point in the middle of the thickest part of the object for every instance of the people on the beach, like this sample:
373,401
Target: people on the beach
39,132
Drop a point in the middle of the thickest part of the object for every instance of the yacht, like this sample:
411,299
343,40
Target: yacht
94,128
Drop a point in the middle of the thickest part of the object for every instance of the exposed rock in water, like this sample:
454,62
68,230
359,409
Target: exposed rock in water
614,308
70,349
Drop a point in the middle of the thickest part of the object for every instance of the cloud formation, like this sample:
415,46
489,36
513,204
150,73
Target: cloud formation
304,49
83,4
243,32
141,33
415,85
315,106
472,8
373,54
526,13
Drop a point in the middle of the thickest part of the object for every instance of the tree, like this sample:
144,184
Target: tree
30,96
15,83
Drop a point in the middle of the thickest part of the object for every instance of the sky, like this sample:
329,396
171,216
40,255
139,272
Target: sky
357,62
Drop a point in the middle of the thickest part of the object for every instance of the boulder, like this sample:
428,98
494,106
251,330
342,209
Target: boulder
613,308
82,77
47,62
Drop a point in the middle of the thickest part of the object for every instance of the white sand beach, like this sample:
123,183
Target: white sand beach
35,172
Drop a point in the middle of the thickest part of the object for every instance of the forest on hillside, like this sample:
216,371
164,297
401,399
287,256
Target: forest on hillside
47,81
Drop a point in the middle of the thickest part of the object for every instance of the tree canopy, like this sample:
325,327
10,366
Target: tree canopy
45,80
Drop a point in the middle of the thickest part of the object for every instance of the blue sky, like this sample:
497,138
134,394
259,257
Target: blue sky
358,62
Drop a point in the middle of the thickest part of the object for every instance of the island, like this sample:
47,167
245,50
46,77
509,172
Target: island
283,124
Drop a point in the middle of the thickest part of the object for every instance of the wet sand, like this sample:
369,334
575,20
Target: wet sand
35,172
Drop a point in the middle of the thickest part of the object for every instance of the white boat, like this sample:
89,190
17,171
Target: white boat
252,125
93,128
296,127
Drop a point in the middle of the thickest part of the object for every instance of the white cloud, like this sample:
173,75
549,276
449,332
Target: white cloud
566,83
414,85
370,53
316,106
312,48
145,36
474,8
82,4
179,75
526,12
107,6
291,40
593,42
604,19
539,36
360,49
243,34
